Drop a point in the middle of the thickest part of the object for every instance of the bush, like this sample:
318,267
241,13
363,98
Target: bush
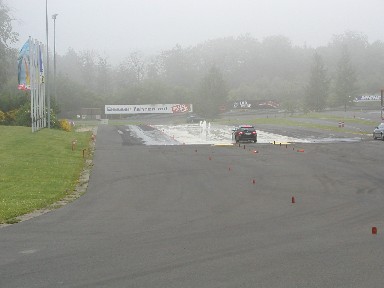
23,116
2,116
10,117
65,125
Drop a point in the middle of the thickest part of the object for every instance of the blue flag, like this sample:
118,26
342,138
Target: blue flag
23,68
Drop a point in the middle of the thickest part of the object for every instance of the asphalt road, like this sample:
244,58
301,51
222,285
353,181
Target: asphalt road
209,216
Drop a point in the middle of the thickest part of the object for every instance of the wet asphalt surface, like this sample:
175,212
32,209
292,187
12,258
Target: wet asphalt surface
210,216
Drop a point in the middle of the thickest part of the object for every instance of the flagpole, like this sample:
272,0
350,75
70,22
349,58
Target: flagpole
32,94
54,16
47,75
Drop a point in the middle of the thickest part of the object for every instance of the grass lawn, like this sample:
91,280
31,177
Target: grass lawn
325,116
37,169
330,124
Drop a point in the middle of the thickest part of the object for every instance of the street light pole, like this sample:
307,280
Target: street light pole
54,56
47,76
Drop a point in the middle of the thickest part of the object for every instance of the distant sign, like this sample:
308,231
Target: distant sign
253,104
148,109
367,98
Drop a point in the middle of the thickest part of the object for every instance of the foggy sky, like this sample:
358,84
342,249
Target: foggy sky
116,28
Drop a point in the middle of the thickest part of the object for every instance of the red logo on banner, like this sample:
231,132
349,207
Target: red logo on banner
180,108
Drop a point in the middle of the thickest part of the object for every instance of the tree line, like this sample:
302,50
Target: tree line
219,70
207,74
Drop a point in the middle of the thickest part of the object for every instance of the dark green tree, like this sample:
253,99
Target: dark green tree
179,67
212,94
345,85
7,36
104,87
318,86
88,68
70,65
6,32
269,69
136,66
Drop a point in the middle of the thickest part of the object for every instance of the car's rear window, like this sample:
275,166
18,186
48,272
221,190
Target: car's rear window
247,128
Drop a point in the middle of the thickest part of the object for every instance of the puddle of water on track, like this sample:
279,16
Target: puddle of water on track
195,134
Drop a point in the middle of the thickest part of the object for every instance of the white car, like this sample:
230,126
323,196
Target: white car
378,133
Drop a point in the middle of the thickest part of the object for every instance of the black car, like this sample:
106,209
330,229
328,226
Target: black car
378,133
194,119
244,133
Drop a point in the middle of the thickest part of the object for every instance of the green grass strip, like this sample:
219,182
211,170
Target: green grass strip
331,117
37,169
294,122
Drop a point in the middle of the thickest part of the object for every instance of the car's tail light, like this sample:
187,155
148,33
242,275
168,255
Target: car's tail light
254,132
240,133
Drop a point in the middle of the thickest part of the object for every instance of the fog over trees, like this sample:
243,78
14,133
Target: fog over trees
208,74
250,69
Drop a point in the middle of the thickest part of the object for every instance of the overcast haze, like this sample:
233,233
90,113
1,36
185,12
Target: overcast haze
116,27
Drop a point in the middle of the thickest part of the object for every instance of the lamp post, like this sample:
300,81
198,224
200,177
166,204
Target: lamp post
54,56
47,75
382,103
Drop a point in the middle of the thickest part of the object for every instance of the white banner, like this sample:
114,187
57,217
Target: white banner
367,98
148,108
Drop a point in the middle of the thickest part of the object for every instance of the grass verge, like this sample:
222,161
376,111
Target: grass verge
305,122
37,169
330,117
